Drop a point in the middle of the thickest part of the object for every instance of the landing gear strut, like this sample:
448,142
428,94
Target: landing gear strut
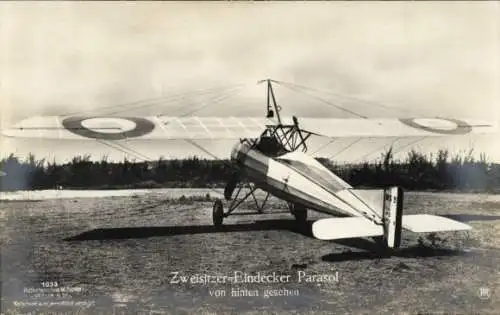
218,213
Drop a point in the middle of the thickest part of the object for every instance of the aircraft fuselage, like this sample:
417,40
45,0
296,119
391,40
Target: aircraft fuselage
297,178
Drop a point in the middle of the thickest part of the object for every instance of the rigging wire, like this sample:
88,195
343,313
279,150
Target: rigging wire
216,100
209,99
130,151
125,150
153,101
147,159
352,98
228,164
376,150
284,84
376,104
409,144
181,97
200,147
350,145
394,152
140,154
192,142
325,145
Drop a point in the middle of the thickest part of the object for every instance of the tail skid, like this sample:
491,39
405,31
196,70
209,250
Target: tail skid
393,221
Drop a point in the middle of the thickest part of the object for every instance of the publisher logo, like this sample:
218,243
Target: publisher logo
484,293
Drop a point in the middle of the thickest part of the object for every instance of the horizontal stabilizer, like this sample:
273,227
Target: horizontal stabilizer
423,223
350,227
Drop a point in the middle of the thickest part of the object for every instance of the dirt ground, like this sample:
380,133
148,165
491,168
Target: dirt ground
151,255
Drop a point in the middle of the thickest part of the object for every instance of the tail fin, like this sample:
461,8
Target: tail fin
393,216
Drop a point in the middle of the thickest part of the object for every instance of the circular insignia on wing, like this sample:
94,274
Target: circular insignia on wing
108,128
439,125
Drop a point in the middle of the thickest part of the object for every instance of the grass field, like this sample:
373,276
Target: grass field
119,255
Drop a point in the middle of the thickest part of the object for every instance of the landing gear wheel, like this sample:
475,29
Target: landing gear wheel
218,213
300,213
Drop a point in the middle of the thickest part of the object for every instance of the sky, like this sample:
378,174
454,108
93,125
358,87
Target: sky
430,58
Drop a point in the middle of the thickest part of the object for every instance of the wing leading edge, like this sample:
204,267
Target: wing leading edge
164,127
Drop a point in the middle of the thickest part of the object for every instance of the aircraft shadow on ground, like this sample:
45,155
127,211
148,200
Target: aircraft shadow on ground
145,232
369,249
372,250
417,251
243,213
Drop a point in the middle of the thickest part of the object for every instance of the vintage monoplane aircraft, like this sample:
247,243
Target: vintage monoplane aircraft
270,154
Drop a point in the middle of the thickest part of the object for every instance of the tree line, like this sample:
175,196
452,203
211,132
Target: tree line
417,171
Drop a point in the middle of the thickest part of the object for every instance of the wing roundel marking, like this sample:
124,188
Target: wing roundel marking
439,125
76,125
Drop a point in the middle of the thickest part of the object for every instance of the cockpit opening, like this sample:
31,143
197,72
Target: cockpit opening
270,146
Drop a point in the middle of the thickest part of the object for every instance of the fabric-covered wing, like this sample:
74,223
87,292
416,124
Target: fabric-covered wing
163,127
394,127
147,128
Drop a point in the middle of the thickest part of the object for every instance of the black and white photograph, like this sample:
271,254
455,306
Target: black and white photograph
243,157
